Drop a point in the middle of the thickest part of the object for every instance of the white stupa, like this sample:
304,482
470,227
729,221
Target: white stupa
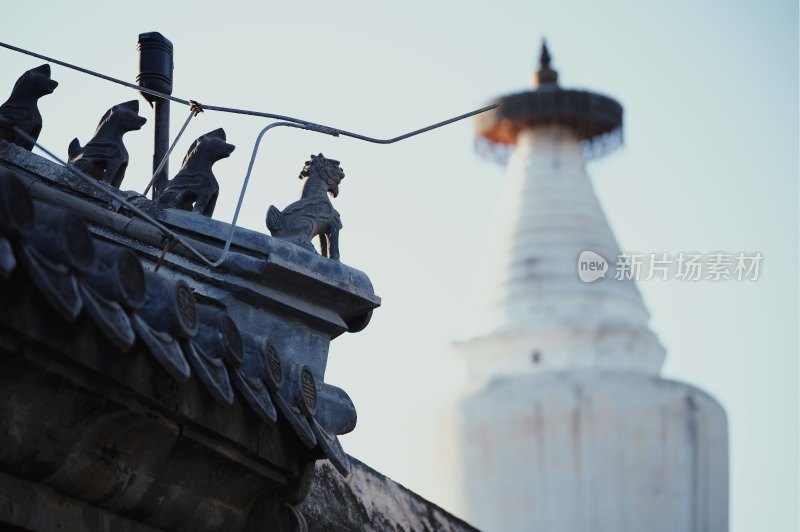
567,425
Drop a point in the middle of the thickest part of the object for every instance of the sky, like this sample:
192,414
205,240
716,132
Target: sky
710,163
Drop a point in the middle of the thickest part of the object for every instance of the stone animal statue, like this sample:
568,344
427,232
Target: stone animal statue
105,157
195,188
21,109
313,214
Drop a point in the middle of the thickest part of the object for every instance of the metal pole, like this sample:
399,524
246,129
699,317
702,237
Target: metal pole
155,72
161,145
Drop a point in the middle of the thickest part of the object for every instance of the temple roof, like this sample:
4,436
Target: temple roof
238,352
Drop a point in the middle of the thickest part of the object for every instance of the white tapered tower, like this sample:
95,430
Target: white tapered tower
567,425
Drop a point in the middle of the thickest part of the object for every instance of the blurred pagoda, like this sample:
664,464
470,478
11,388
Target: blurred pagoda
567,425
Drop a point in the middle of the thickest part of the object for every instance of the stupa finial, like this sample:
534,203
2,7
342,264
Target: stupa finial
545,75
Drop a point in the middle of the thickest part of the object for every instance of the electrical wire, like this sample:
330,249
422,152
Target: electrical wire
318,127
193,111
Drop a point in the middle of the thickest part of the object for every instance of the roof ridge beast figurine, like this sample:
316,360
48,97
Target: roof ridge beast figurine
105,157
195,188
21,109
313,214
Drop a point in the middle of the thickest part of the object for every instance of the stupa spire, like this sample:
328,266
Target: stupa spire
546,75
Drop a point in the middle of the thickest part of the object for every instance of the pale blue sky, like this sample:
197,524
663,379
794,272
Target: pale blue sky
710,162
